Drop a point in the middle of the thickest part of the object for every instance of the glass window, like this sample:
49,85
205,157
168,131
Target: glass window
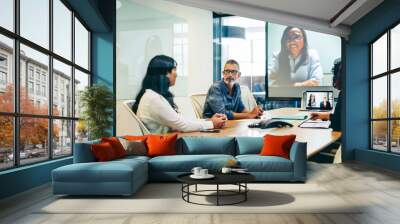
395,47
7,14
379,56
62,72
33,140
248,52
62,29
81,45
30,87
62,138
35,21
81,82
379,135
6,73
81,131
395,138
40,62
379,98
395,95
6,142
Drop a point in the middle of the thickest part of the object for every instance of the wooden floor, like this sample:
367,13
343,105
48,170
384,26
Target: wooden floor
378,189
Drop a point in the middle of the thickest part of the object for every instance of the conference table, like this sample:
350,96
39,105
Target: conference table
317,138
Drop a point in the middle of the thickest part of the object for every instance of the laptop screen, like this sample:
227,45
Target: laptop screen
320,100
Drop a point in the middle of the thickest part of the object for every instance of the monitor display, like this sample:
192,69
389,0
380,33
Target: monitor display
320,100
300,60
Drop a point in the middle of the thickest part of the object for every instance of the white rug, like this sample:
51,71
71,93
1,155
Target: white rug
166,198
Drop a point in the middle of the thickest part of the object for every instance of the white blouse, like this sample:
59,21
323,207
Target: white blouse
159,117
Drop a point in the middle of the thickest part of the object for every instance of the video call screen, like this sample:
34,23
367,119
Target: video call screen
318,100
300,60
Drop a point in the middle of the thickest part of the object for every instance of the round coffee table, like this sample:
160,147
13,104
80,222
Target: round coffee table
238,179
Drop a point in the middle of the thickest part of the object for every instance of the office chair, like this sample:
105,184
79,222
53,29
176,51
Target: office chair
127,121
247,98
198,101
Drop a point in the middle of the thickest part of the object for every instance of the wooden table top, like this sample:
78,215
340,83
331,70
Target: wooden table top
317,139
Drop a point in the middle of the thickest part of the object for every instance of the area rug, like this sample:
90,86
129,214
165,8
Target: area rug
167,198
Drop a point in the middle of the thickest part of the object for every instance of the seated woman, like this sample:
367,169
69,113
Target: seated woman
296,64
155,105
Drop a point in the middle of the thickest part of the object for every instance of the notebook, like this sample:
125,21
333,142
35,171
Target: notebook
315,124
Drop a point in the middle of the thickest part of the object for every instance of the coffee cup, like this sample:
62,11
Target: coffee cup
226,170
196,171
203,172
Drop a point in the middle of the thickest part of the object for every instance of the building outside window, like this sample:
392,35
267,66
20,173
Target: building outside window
34,79
385,94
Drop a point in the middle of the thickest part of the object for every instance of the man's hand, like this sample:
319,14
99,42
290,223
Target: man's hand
219,120
255,113
320,115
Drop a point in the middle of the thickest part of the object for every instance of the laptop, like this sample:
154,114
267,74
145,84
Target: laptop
318,101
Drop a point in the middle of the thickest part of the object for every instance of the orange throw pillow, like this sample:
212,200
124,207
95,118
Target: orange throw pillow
277,145
103,152
161,145
136,137
116,145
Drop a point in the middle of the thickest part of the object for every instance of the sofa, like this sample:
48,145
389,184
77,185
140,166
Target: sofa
125,176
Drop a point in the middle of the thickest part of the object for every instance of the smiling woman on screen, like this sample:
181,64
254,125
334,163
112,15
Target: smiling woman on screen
295,64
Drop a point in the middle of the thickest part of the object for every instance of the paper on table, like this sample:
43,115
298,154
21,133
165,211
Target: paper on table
315,124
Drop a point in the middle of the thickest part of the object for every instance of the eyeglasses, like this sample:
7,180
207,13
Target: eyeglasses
233,72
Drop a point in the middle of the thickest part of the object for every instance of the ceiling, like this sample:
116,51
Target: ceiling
317,15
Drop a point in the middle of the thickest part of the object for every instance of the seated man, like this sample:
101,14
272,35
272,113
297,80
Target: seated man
224,96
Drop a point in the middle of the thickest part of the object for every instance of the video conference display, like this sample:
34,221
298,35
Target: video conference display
300,60
321,100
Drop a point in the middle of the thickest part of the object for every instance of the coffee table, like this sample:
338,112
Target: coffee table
238,179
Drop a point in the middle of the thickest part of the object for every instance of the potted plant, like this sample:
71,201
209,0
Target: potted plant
97,104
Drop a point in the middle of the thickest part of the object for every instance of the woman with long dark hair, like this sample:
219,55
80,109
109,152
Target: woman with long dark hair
311,101
155,105
296,64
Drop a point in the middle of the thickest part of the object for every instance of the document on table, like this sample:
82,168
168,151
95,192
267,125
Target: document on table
315,124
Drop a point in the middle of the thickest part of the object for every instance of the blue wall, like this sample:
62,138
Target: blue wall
356,133
99,15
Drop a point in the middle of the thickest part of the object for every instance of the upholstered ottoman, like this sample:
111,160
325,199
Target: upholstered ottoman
118,177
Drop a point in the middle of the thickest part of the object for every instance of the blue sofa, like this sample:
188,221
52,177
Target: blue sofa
125,176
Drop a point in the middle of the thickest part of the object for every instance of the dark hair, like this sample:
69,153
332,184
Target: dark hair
337,71
156,79
284,66
309,100
232,62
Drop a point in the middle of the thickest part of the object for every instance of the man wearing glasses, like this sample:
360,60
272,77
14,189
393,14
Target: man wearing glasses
224,96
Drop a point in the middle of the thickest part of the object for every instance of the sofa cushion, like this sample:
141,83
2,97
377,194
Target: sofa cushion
111,171
161,145
185,163
248,145
277,145
206,145
116,145
103,152
257,163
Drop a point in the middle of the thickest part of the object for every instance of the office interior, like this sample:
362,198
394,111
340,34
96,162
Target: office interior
47,59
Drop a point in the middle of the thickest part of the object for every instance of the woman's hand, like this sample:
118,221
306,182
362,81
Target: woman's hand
219,120
307,83
321,115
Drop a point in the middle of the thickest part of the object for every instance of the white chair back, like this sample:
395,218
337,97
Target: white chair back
127,121
247,98
198,101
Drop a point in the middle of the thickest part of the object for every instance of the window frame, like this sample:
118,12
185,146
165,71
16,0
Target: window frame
388,74
16,115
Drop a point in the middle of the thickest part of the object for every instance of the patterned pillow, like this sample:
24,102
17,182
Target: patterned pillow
134,147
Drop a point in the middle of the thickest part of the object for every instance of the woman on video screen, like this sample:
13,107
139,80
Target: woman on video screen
295,64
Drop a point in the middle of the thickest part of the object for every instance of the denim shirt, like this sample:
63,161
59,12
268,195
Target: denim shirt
218,100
